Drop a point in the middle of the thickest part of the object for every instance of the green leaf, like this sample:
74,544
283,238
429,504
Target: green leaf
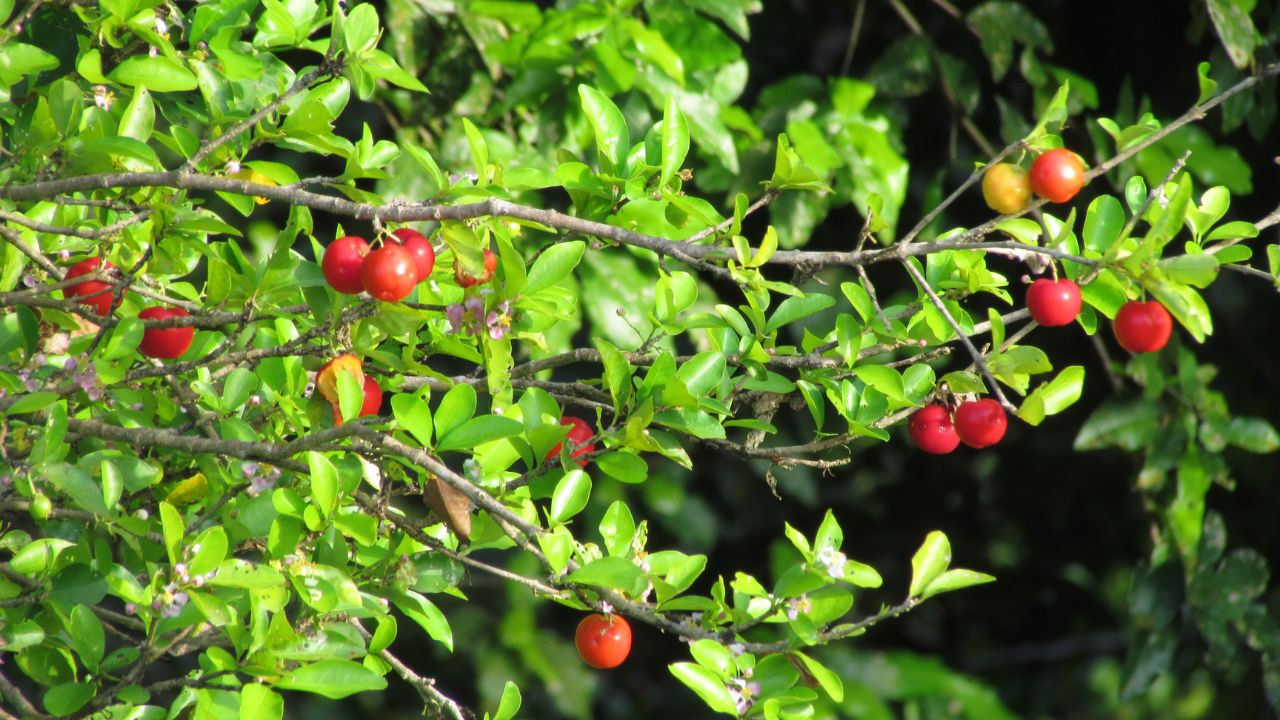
334,679
571,495
955,580
32,402
1053,397
1208,86
20,59
829,681
426,614
78,585
906,69
714,657
478,430
612,138
1253,434
65,699
174,529
457,406
38,555
797,307
124,339
509,705
1102,223
554,265
413,414
1128,425
76,484
208,550
617,372
702,373
885,379
848,338
236,573
87,636
1236,229
675,140
158,74
1196,270
623,466
259,702
706,685
612,572
998,25
1235,28
324,481
240,385
618,528
930,561
139,116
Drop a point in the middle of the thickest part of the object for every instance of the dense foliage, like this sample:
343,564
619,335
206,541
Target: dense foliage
230,479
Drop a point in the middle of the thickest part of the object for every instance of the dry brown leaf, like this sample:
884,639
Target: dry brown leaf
450,505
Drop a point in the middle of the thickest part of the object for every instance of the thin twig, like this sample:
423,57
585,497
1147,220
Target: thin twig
964,339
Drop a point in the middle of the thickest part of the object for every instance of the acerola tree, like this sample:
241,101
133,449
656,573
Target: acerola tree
258,430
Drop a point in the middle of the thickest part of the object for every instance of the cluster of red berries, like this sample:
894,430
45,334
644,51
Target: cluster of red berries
977,423
164,343
1139,327
388,273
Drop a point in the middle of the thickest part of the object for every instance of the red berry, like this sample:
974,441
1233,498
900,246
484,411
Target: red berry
931,430
165,343
341,264
1057,175
466,279
981,423
603,641
95,293
389,273
1053,303
424,256
372,397
1143,326
579,433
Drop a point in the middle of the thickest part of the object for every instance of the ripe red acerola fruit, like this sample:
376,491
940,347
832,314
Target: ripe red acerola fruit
424,256
341,264
603,641
95,293
1057,175
579,433
1143,326
1053,302
931,430
981,423
466,279
165,343
389,273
